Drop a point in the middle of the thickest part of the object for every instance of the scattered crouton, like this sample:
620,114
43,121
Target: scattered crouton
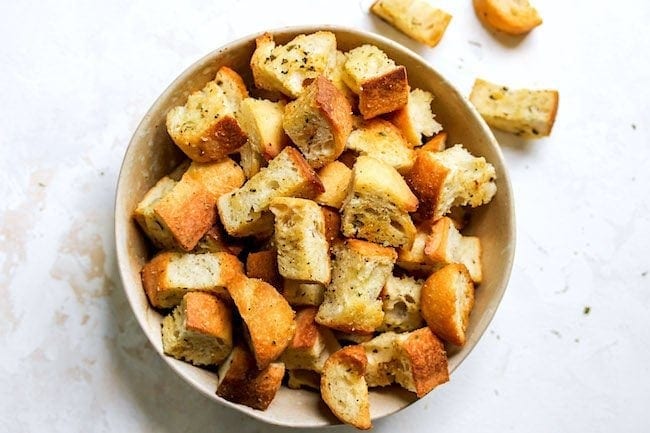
415,18
515,17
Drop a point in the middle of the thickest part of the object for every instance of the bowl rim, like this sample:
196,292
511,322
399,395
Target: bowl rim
369,36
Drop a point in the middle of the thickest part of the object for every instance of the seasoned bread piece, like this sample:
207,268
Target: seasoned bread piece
416,360
303,251
336,77
170,275
199,330
378,205
336,178
382,86
523,112
509,16
240,381
359,271
264,265
251,160
301,293
415,18
298,379
384,142
437,143
446,245
144,214
267,315
449,178
343,386
319,122
245,211
261,120
286,67
332,224
401,304
219,177
312,344
205,128
446,300
416,118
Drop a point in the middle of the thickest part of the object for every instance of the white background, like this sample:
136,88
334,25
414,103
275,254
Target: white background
76,77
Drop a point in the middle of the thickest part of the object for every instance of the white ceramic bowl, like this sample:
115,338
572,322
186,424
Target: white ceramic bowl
151,154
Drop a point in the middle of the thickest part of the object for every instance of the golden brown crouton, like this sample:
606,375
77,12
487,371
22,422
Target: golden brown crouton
264,266
144,214
261,120
416,119
383,141
300,293
415,18
336,179
509,16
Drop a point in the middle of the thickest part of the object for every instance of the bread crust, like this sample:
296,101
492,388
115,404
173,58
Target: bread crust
426,179
267,315
264,266
384,94
335,177
416,19
437,143
240,381
512,17
427,360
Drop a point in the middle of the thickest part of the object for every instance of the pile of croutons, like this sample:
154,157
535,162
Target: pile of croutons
314,235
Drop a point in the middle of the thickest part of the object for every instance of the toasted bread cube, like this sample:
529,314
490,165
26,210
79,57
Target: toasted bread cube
251,160
401,304
267,315
300,293
380,352
312,344
336,177
453,177
359,272
319,122
332,224
261,120
445,244
144,214
300,378
264,266
343,386
205,128
382,86
170,275
199,330
336,77
383,141
416,119
446,300
286,67
240,381
437,143
515,17
378,205
417,19
188,210
245,211
303,251
523,112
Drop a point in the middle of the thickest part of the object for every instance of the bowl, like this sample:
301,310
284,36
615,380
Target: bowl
151,154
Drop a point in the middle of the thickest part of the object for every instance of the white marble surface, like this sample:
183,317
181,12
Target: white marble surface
75,79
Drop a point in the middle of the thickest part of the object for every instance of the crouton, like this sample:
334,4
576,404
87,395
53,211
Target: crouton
332,224
303,251
437,143
300,293
449,178
336,77
205,128
523,112
380,353
199,330
343,386
416,118
514,17
261,120
401,304
240,381
445,244
264,266
144,214
299,378
359,271
286,67
336,178
382,86
415,18
169,275
251,160
312,344
267,315
383,141
319,122
446,301
245,211
218,178
378,205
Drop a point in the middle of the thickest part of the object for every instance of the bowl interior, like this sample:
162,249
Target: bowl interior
151,154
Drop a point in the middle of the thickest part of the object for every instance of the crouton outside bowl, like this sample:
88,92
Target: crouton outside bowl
151,154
